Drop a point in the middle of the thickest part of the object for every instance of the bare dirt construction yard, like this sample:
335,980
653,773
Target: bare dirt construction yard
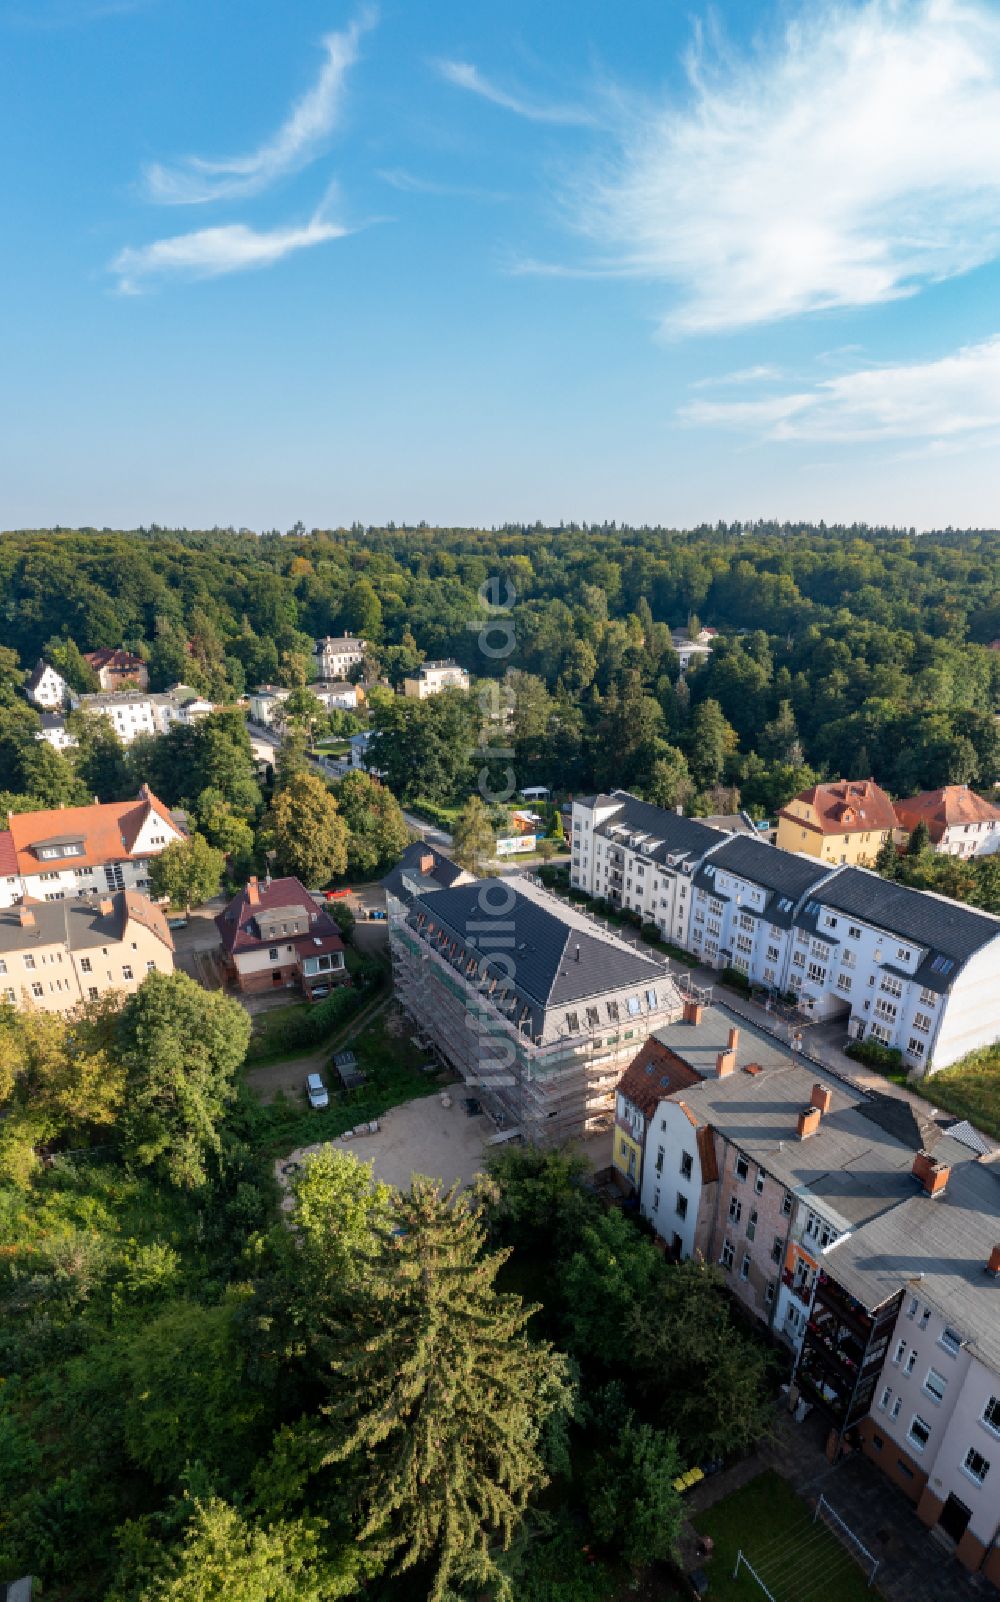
419,1137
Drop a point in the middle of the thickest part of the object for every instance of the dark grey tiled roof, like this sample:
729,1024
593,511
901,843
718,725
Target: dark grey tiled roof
784,872
81,923
938,1245
555,960
407,878
676,833
928,920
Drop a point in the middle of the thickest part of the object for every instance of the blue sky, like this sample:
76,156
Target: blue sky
655,262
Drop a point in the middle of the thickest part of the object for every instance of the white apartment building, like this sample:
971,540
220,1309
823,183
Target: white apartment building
265,701
65,852
135,712
640,857
905,968
903,1348
960,823
433,677
334,657
55,733
48,689
335,694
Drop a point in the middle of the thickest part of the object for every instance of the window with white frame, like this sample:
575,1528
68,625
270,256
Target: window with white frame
735,1209
742,1167
919,1432
891,985
848,959
726,1259
976,1466
935,1384
951,1341
745,1266
922,1022
991,1415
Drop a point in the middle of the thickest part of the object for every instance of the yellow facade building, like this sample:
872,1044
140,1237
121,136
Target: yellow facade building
848,821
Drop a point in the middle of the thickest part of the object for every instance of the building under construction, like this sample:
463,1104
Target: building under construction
537,1005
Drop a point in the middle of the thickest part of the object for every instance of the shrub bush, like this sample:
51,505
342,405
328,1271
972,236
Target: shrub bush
309,1025
735,980
887,1059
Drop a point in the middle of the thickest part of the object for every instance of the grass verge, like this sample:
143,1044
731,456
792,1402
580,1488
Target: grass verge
971,1089
773,1526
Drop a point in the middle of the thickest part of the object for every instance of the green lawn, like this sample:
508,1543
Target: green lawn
391,1063
798,1560
969,1090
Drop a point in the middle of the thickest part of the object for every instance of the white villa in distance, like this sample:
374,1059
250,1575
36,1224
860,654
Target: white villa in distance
900,967
47,689
433,677
334,657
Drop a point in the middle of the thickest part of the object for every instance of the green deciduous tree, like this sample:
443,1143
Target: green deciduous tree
631,1500
440,1398
305,830
377,831
222,1555
180,1046
473,842
188,872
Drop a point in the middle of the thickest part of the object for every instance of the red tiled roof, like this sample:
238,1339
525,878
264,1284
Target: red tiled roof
8,856
139,909
949,807
236,922
844,806
118,660
654,1074
108,831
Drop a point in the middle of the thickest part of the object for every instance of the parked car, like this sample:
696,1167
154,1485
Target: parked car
177,923
337,895
318,992
317,1092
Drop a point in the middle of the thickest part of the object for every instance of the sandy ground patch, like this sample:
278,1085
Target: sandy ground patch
419,1137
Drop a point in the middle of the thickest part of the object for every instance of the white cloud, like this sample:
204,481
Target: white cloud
952,401
851,161
465,76
299,139
213,252
412,184
742,375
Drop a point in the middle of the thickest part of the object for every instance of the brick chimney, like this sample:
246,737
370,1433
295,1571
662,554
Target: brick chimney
821,1098
253,892
426,863
692,1012
933,1176
106,906
809,1121
26,915
725,1063
734,1039
993,1266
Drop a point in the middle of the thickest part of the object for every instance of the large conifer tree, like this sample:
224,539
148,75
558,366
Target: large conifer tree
438,1391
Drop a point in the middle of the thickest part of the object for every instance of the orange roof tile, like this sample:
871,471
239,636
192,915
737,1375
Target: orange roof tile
844,806
108,832
949,807
654,1074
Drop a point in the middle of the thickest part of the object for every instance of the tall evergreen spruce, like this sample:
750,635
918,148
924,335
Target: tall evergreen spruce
441,1394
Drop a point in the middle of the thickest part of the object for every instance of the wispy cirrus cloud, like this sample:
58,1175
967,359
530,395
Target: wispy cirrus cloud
848,162
410,183
195,180
466,76
955,399
743,375
214,252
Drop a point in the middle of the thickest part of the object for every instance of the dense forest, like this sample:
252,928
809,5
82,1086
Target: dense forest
853,652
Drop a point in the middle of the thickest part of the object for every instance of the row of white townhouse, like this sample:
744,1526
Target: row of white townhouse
905,968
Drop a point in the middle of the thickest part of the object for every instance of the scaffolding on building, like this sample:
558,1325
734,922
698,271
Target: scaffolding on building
551,1090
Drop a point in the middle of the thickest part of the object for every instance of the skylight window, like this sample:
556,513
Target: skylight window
942,965
784,905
